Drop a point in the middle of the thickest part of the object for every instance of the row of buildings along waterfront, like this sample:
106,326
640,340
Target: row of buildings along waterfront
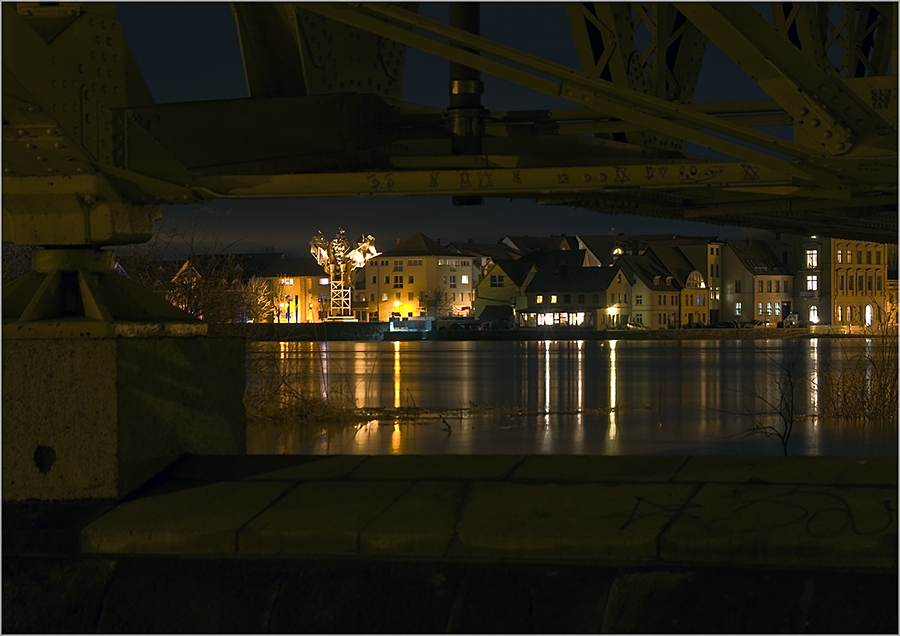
657,281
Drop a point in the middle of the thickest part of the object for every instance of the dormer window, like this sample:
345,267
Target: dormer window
656,280
668,280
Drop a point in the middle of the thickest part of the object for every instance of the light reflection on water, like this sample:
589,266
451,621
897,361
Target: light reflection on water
581,397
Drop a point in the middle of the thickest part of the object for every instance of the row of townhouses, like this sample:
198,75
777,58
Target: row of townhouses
657,281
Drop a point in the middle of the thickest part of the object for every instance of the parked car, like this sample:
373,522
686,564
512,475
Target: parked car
753,324
726,324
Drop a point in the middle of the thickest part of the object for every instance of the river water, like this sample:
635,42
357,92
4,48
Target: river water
563,397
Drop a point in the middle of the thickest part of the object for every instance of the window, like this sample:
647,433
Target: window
398,282
859,283
839,311
785,286
497,280
384,264
841,282
777,309
868,257
638,300
413,262
538,299
619,278
812,283
850,280
398,266
464,279
411,296
323,280
814,315
581,299
878,257
777,286
878,282
626,298
812,259
374,279
387,280
839,260
869,283
784,256
372,297
737,309
674,300
769,286
759,309
287,281
453,282
398,296
411,279
737,287
859,256
849,257
662,300
441,262
768,309
464,263
760,286
552,299
384,297
595,298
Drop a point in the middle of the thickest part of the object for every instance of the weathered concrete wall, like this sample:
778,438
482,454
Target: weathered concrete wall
189,595
95,418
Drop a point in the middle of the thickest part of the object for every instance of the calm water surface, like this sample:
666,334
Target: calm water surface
577,397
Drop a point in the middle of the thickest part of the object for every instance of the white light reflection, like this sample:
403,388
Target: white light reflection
612,389
545,436
579,418
361,388
396,374
814,379
323,356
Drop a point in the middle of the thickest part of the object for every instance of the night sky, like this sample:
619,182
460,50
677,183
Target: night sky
190,51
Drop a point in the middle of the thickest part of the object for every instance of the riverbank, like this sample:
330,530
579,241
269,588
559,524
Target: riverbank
378,331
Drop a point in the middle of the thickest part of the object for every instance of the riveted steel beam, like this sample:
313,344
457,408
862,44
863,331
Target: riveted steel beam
677,120
832,118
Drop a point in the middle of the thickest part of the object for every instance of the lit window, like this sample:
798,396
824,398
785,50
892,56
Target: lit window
384,297
759,309
768,309
496,280
777,309
539,299
552,299
760,286
812,283
840,312
849,257
287,281
814,315
839,260
323,281
464,279
812,258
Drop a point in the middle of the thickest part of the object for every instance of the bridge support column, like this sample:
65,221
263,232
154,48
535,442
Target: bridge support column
105,384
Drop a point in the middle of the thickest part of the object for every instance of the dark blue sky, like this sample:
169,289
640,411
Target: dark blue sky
190,51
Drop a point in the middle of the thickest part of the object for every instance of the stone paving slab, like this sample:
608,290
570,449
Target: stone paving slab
420,523
786,526
319,518
416,467
592,468
325,469
844,471
198,520
579,521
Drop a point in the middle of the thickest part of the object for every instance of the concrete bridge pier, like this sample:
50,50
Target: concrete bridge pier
105,383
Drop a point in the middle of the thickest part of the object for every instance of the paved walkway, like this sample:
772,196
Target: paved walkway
831,513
